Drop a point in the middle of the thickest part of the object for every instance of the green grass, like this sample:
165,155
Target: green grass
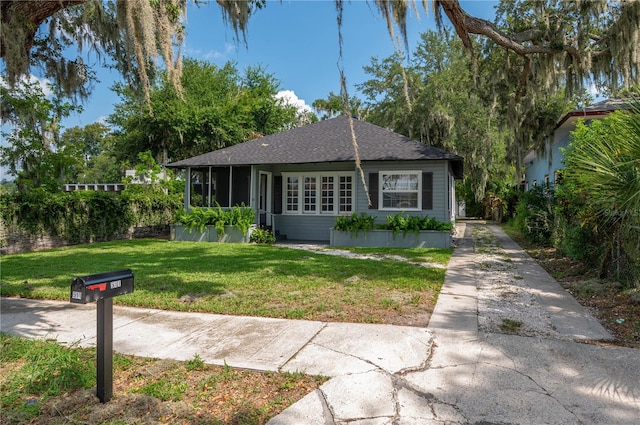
510,326
238,279
40,370
414,255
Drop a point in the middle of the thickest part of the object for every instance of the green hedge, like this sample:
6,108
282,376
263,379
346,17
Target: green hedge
84,215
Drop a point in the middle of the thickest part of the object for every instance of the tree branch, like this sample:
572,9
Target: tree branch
466,24
23,13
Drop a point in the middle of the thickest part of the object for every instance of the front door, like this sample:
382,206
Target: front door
264,203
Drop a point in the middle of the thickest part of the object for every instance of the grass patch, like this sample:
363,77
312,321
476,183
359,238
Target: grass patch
43,382
33,371
238,279
510,326
484,240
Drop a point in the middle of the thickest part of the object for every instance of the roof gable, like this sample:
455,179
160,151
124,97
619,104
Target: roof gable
323,141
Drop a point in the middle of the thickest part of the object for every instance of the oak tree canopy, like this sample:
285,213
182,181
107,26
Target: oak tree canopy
573,40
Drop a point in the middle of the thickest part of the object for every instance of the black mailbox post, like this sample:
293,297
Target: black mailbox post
101,288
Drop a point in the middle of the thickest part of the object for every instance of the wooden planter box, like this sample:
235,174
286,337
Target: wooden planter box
386,238
209,234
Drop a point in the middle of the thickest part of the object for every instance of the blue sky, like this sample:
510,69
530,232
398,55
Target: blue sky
295,40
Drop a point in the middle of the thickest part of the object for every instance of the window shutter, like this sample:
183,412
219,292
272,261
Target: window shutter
373,190
277,194
427,191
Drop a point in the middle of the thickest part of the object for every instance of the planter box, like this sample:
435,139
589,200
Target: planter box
233,234
209,234
386,238
178,232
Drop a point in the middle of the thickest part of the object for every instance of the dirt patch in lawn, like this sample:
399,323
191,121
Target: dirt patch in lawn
150,391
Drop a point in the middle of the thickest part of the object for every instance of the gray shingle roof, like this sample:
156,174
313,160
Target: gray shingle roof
324,141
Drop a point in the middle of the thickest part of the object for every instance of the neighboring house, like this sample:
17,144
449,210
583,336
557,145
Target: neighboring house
300,180
542,168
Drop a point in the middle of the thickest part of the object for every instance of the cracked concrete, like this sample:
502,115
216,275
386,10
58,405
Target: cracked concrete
480,376
452,372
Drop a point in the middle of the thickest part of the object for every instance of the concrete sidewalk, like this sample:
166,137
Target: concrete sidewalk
448,373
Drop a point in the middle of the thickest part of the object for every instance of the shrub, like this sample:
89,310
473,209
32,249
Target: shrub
197,218
399,223
535,215
84,216
396,223
263,236
601,164
354,222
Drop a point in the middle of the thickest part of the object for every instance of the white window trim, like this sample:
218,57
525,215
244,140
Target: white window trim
318,176
381,192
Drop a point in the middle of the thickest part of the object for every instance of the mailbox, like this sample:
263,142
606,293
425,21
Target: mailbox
95,287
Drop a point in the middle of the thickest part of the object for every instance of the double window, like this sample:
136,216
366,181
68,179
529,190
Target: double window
318,193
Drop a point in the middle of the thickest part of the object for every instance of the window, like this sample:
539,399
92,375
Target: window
346,194
557,176
400,190
310,195
323,193
292,194
327,200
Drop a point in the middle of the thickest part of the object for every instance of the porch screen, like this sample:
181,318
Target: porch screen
200,191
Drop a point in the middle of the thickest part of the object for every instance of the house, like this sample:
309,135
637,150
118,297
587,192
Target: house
300,180
542,168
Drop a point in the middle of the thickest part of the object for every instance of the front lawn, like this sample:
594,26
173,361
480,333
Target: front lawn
244,279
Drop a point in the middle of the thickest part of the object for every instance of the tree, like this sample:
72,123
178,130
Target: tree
218,107
333,106
390,95
35,154
448,109
553,39
134,33
93,147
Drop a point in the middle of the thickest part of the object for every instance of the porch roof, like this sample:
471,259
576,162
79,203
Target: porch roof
324,141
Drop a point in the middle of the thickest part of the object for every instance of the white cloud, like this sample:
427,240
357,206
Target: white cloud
44,83
289,98
229,49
